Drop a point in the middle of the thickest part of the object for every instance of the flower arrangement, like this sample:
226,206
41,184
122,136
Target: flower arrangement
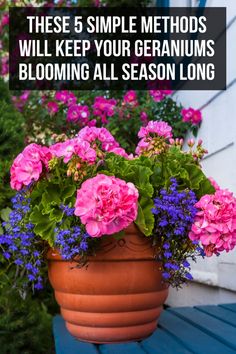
74,193
50,114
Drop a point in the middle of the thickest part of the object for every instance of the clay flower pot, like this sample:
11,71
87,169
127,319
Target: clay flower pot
118,297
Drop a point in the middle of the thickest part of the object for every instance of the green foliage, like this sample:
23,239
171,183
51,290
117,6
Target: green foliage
11,141
4,92
169,110
47,198
25,325
184,168
145,219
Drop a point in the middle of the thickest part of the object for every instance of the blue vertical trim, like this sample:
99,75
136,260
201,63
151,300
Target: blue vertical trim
202,3
166,3
162,3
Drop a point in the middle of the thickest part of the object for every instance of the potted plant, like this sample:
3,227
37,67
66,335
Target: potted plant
116,229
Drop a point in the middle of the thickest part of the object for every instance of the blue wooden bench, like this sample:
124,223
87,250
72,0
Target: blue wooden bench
184,330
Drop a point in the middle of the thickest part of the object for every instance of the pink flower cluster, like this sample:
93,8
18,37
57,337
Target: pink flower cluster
104,108
130,98
106,205
52,107
144,118
72,147
20,101
159,95
4,65
153,128
66,97
102,135
78,112
215,222
4,21
28,165
158,128
194,116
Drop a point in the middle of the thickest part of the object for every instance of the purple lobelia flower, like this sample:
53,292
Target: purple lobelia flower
72,242
174,211
19,244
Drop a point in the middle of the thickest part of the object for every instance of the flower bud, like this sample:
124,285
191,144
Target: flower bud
199,142
76,176
190,142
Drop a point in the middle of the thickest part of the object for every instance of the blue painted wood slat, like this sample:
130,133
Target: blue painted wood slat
161,342
192,337
210,325
231,307
225,315
199,330
66,344
127,348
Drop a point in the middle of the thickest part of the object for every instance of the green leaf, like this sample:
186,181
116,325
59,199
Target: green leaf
5,214
43,226
189,174
134,171
68,192
51,196
56,215
145,219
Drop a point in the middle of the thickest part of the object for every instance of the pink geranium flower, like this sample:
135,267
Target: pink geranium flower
102,138
162,129
152,130
24,171
215,222
52,107
4,21
104,108
71,99
25,95
106,205
130,98
144,118
191,115
214,183
78,112
20,101
159,95
72,147
102,135
65,97
28,165
4,65
121,152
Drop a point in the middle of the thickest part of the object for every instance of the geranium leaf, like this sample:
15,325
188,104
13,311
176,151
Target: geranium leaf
5,214
43,226
145,218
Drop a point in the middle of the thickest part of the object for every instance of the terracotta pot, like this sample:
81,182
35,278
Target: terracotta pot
118,297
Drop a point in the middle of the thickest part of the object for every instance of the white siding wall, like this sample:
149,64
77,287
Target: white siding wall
215,280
